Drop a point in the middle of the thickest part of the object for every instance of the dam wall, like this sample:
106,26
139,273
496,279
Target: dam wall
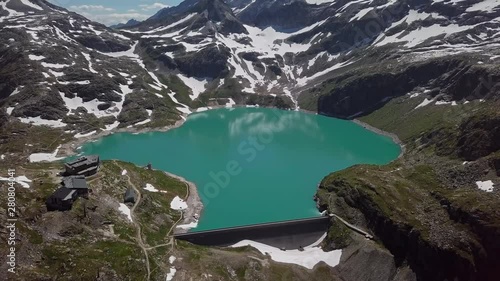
291,234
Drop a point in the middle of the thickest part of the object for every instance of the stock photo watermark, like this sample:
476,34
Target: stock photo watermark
11,221
248,151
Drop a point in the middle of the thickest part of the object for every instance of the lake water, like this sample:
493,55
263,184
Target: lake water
252,165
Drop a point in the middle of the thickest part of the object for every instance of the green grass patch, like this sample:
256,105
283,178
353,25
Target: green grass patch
339,235
75,257
182,92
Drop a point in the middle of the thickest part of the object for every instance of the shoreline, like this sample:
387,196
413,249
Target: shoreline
193,200
381,132
195,206
70,148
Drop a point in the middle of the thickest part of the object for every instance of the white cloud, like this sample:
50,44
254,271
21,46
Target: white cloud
114,18
93,8
112,15
154,6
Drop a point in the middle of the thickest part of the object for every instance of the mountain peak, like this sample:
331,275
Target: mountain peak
197,14
217,11
129,23
15,8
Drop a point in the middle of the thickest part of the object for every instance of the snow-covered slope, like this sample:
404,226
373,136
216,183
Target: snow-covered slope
211,52
62,70
280,47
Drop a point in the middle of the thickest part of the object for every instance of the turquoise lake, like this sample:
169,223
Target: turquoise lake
252,165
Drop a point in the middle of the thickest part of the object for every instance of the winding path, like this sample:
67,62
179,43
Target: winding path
353,227
136,224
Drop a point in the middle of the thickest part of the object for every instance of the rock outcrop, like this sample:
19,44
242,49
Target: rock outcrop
478,137
361,92
436,238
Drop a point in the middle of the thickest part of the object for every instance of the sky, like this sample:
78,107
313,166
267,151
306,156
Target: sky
111,12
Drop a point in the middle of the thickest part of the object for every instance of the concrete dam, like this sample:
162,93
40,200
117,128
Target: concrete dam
287,235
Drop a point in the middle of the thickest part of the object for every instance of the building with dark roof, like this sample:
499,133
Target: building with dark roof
61,200
77,183
129,196
85,165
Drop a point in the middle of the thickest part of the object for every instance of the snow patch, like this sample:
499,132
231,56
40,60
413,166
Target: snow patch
54,65
55,73
31,5
125,210
188,17
128,53
97,32
453,103
112,126
12,13
230,103
87,57
188,226
171,274
149,187
16,91
308,258
200,109
313,60
424,103
361,14
38,121
35,57
45,157
418,36
184,110
178,204
487,186
485,6
302,81
171,259
92,106
85,135
142,122
63,35
414,95
197,85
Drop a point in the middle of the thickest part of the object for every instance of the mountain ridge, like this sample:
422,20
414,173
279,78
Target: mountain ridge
129,23
193,19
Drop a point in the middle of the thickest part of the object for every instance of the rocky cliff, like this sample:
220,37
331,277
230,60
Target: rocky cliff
436,238
426,207
362,91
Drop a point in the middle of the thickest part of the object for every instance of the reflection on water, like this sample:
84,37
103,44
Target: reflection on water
259,122
252,165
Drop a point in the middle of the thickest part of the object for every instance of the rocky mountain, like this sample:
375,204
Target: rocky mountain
63,70
206,52
285,48
129,23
